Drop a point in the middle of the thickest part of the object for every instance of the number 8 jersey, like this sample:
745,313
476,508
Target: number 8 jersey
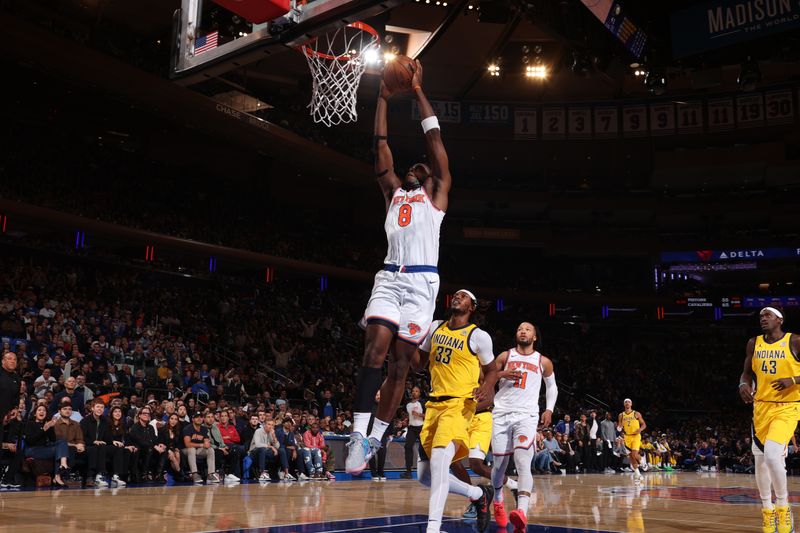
774,361
520,396
456,356
412,227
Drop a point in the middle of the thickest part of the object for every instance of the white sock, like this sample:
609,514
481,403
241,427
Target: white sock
763,481
440,484
523,503
512,484
457,486
773,454
361,423
498,473
378,429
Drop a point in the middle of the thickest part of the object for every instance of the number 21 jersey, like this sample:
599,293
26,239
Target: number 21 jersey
412,229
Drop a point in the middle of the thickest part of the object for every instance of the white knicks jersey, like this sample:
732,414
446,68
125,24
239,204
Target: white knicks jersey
520,396
412,229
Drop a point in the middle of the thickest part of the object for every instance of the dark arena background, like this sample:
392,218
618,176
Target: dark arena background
181,236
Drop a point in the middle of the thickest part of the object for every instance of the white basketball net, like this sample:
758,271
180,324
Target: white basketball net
337,60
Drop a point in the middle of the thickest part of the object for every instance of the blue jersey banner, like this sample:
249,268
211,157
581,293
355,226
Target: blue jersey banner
724,22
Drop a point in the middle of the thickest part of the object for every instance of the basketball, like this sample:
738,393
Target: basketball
398,73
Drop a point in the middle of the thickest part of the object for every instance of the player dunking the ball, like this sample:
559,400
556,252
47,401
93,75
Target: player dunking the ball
516,417
400,309
632,425
772,363
457,352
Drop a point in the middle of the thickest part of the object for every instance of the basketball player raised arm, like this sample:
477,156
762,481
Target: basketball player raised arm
438,186
384,162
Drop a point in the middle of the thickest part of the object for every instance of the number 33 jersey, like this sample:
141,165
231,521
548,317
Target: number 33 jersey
775,361
412,229
456,356
522,395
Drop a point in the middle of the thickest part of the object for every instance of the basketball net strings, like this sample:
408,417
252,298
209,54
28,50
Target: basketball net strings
336,81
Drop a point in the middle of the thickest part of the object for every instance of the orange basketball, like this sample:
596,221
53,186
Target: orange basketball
398,73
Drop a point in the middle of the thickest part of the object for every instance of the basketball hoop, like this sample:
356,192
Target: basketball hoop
337,60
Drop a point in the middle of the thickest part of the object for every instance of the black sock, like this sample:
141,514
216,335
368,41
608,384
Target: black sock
367,384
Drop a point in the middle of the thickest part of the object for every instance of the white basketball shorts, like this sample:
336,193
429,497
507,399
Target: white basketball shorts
406,301
512,431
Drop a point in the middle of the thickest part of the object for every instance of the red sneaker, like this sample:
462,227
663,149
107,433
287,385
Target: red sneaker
500,514
518,520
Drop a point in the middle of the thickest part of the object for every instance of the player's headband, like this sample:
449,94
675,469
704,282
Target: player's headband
471,296
627,400
773,311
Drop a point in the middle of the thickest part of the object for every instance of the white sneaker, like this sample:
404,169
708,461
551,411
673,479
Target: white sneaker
230,478
117,482
302,477
264,477
281,475
289,477
713,468
99,482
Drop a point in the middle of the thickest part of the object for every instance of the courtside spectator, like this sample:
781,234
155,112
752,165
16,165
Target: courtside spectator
264,449
197,445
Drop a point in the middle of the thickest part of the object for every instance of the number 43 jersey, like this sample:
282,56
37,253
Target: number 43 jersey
412,227
522,395
773,361
456,356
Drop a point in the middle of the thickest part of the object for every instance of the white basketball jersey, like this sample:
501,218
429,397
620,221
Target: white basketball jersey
412,229
520,396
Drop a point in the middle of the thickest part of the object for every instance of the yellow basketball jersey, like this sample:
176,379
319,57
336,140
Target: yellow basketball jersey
771,362
629,422
455,370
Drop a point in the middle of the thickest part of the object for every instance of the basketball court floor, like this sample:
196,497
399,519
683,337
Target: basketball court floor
664,503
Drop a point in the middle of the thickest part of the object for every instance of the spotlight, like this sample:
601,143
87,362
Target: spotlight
470,6
656,81
749,75
372,56
536,71
494,70
444,4
389,56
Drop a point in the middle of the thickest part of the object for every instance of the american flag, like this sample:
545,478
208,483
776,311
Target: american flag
205,43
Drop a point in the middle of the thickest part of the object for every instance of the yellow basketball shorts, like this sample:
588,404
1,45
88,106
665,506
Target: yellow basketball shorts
775,421
480,431
633,442
447,422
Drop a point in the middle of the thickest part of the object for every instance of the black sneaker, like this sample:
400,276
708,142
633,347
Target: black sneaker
484,508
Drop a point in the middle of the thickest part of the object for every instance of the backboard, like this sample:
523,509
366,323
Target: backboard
209,39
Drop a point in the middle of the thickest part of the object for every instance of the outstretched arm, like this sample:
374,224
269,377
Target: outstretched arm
440,171
384,163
